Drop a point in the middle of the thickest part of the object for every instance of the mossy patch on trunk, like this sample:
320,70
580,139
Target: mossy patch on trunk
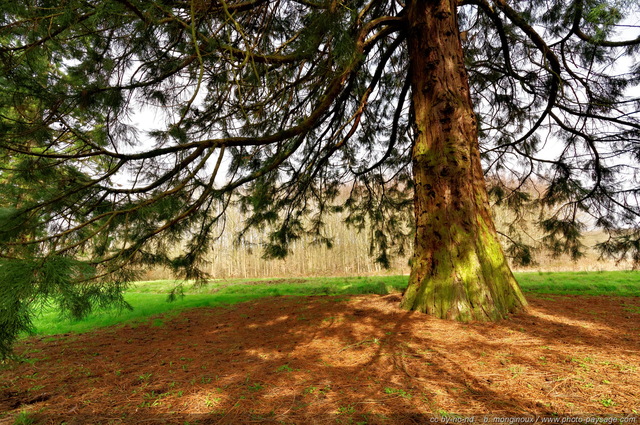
459,270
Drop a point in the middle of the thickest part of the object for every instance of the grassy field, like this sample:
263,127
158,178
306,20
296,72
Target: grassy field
149,299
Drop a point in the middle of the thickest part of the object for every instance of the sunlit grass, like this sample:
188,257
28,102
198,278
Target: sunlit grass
150,298
145,305
614,283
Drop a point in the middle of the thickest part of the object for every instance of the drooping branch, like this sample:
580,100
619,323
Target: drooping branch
554,68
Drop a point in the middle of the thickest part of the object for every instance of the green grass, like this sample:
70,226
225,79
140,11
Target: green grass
617,283
145,305
150,298
275,287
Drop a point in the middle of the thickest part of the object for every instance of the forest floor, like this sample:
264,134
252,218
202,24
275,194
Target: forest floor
337,359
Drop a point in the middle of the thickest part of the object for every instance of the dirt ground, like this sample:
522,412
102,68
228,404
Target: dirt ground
349,360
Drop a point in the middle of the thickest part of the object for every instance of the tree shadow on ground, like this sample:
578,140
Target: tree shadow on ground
332,360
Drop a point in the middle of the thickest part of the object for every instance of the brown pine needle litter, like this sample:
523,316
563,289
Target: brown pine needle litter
356,359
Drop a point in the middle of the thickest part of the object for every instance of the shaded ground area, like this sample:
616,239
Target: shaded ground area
356,359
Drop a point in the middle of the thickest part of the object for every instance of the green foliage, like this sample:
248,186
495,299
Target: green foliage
292,110
26,284
563,236
521,253
603,17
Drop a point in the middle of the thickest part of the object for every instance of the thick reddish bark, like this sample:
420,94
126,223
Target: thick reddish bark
459,270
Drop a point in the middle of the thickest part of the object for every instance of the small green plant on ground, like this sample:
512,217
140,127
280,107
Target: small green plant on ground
444,414
153,399
515,371
317,391
632,309
346,410
144,377
256,386
285,368
211,401
398,391
24,418
607,402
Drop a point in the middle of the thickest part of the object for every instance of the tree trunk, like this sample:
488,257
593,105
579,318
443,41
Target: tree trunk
459,270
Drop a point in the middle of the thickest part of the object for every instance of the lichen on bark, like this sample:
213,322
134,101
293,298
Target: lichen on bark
459,270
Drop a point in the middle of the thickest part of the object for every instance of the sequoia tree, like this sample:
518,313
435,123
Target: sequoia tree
128,128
